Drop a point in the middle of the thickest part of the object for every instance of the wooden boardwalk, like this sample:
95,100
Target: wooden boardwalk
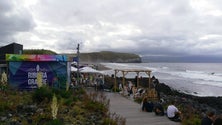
131,111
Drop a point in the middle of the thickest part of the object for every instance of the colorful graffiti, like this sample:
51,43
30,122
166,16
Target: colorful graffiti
29,75
26,57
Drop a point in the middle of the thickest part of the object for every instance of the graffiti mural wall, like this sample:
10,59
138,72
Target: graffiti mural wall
34,71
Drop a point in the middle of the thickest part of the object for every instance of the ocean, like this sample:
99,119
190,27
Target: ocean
200,79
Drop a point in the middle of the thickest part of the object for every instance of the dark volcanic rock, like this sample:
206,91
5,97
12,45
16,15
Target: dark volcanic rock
199,104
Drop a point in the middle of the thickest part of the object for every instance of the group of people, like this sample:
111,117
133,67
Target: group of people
131,90
149,106
87,79
172,111
174,114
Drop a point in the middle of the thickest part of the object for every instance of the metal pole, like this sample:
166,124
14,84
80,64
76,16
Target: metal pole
78,77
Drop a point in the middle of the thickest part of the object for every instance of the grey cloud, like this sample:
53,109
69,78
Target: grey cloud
171,29
13,21
157,27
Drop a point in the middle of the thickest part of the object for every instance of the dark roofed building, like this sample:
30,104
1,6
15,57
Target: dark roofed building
13,48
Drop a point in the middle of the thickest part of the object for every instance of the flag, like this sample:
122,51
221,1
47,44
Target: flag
75,59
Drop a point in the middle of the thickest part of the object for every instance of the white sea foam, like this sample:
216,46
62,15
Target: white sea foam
203,79
198,75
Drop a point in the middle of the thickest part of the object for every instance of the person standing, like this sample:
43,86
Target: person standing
120,87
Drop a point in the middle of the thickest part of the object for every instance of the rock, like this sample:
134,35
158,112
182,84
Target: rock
3,118
39,110
9,115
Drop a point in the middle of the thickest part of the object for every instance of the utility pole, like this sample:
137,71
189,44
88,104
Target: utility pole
78,76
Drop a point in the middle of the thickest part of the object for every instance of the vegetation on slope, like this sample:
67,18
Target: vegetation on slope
104,56
48,106
38,51
107,56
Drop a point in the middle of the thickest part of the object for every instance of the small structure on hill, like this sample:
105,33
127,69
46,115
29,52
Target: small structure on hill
13,48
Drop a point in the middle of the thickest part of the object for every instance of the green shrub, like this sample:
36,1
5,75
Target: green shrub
55,122
42,94
114,119
108,121
65,94
38,51
95,106
75,99
79,91
4,106
68,102
194,121
138,100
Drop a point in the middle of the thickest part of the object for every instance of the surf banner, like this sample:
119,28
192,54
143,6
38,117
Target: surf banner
28,75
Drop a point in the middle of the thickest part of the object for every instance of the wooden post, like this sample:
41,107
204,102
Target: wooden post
148,73
137,79
149,80
115,81
124,74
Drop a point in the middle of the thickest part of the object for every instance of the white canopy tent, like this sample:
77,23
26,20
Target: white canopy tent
73,69
89,70
86,70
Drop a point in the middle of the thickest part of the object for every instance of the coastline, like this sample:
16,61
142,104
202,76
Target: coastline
181,92
198,105
202,102
101,67
190,78
97,66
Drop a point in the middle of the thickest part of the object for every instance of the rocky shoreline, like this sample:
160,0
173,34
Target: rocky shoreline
200,103
192,107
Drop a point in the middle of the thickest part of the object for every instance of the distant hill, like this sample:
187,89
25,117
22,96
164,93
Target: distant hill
103,56
107,56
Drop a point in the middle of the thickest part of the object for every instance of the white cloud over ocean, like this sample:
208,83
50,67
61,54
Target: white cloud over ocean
145,27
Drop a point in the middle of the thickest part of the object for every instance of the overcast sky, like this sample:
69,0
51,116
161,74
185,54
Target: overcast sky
145,27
